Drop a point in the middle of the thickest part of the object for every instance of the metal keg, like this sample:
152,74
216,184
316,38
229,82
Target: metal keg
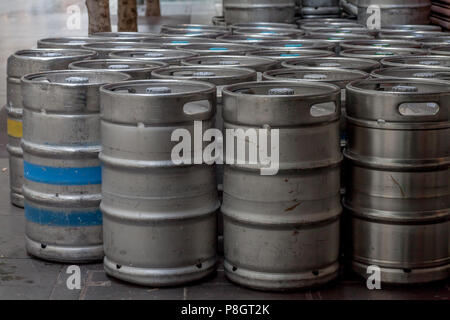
250,39
103,49
440,50
173,42
380,53
393,12
339,77
434,41
220,77
194,28
408,73
134,68
409,35
380,43
311,26
289,54
245,11
281,231
297,44
398,183
169,56
323,21
417,62
220,48
126,36
259,64
19,64
62,176
344,30
317,11
276,32
159,221
69,42
365,65
413,27
263,25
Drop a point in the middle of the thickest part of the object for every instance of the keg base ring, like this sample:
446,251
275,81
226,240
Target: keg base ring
64,254
400,276
279,282
160,277
17,199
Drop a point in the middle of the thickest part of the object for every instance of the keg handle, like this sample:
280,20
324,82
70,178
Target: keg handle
417,109
197,108
323,109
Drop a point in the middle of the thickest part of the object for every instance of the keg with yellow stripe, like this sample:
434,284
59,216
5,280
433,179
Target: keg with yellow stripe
19,64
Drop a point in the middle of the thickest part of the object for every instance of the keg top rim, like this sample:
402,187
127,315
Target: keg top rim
361,86
344,74
220,72
411,73
203,87
221,46
68,40
297,62
120,45
234,89
125,34
284,44
102,64
195,26
264,24
59,77
286,54
251,38
171,54
249,61
36,54
414,60
337,37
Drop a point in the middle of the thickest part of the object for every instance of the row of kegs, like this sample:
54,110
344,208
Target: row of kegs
91,158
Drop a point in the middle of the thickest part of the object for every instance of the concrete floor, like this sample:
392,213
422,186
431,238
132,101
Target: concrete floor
22,277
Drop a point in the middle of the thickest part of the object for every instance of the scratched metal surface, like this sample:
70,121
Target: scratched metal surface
22,277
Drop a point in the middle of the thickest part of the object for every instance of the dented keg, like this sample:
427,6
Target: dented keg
135,69
245,11
221,48
19,64
103,49
411,73
417,62
398,183
281,229
365,65
159,222
170,56
62,176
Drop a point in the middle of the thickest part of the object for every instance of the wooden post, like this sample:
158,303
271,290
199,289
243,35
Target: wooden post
99,19
127,16
153,8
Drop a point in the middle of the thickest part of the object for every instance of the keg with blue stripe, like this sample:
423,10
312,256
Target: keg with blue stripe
159,215
62,175
19,64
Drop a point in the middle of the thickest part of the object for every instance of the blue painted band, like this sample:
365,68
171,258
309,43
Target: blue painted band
218,49
289,55
180,42
62,176
63,218
296,45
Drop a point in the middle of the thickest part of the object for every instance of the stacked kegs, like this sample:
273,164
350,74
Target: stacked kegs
398,182
19,64
281,227
312,9
62,177
237,11
159,221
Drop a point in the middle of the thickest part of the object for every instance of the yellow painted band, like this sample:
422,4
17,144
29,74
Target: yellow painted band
14,128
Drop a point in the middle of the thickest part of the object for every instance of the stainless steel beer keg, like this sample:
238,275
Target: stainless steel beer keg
159,221
365,65
62,176
19,64
281,227
169,56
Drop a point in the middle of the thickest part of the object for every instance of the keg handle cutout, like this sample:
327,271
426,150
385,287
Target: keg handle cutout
415,109
197,108
323,109
42,79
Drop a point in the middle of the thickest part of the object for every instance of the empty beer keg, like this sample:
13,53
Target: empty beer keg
103,49
411,73
19,64
380,43
62,176
221,48
417,62
289,54
70,42
281,226
245,11
380,53
250,39
398,184
159,222
297,44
